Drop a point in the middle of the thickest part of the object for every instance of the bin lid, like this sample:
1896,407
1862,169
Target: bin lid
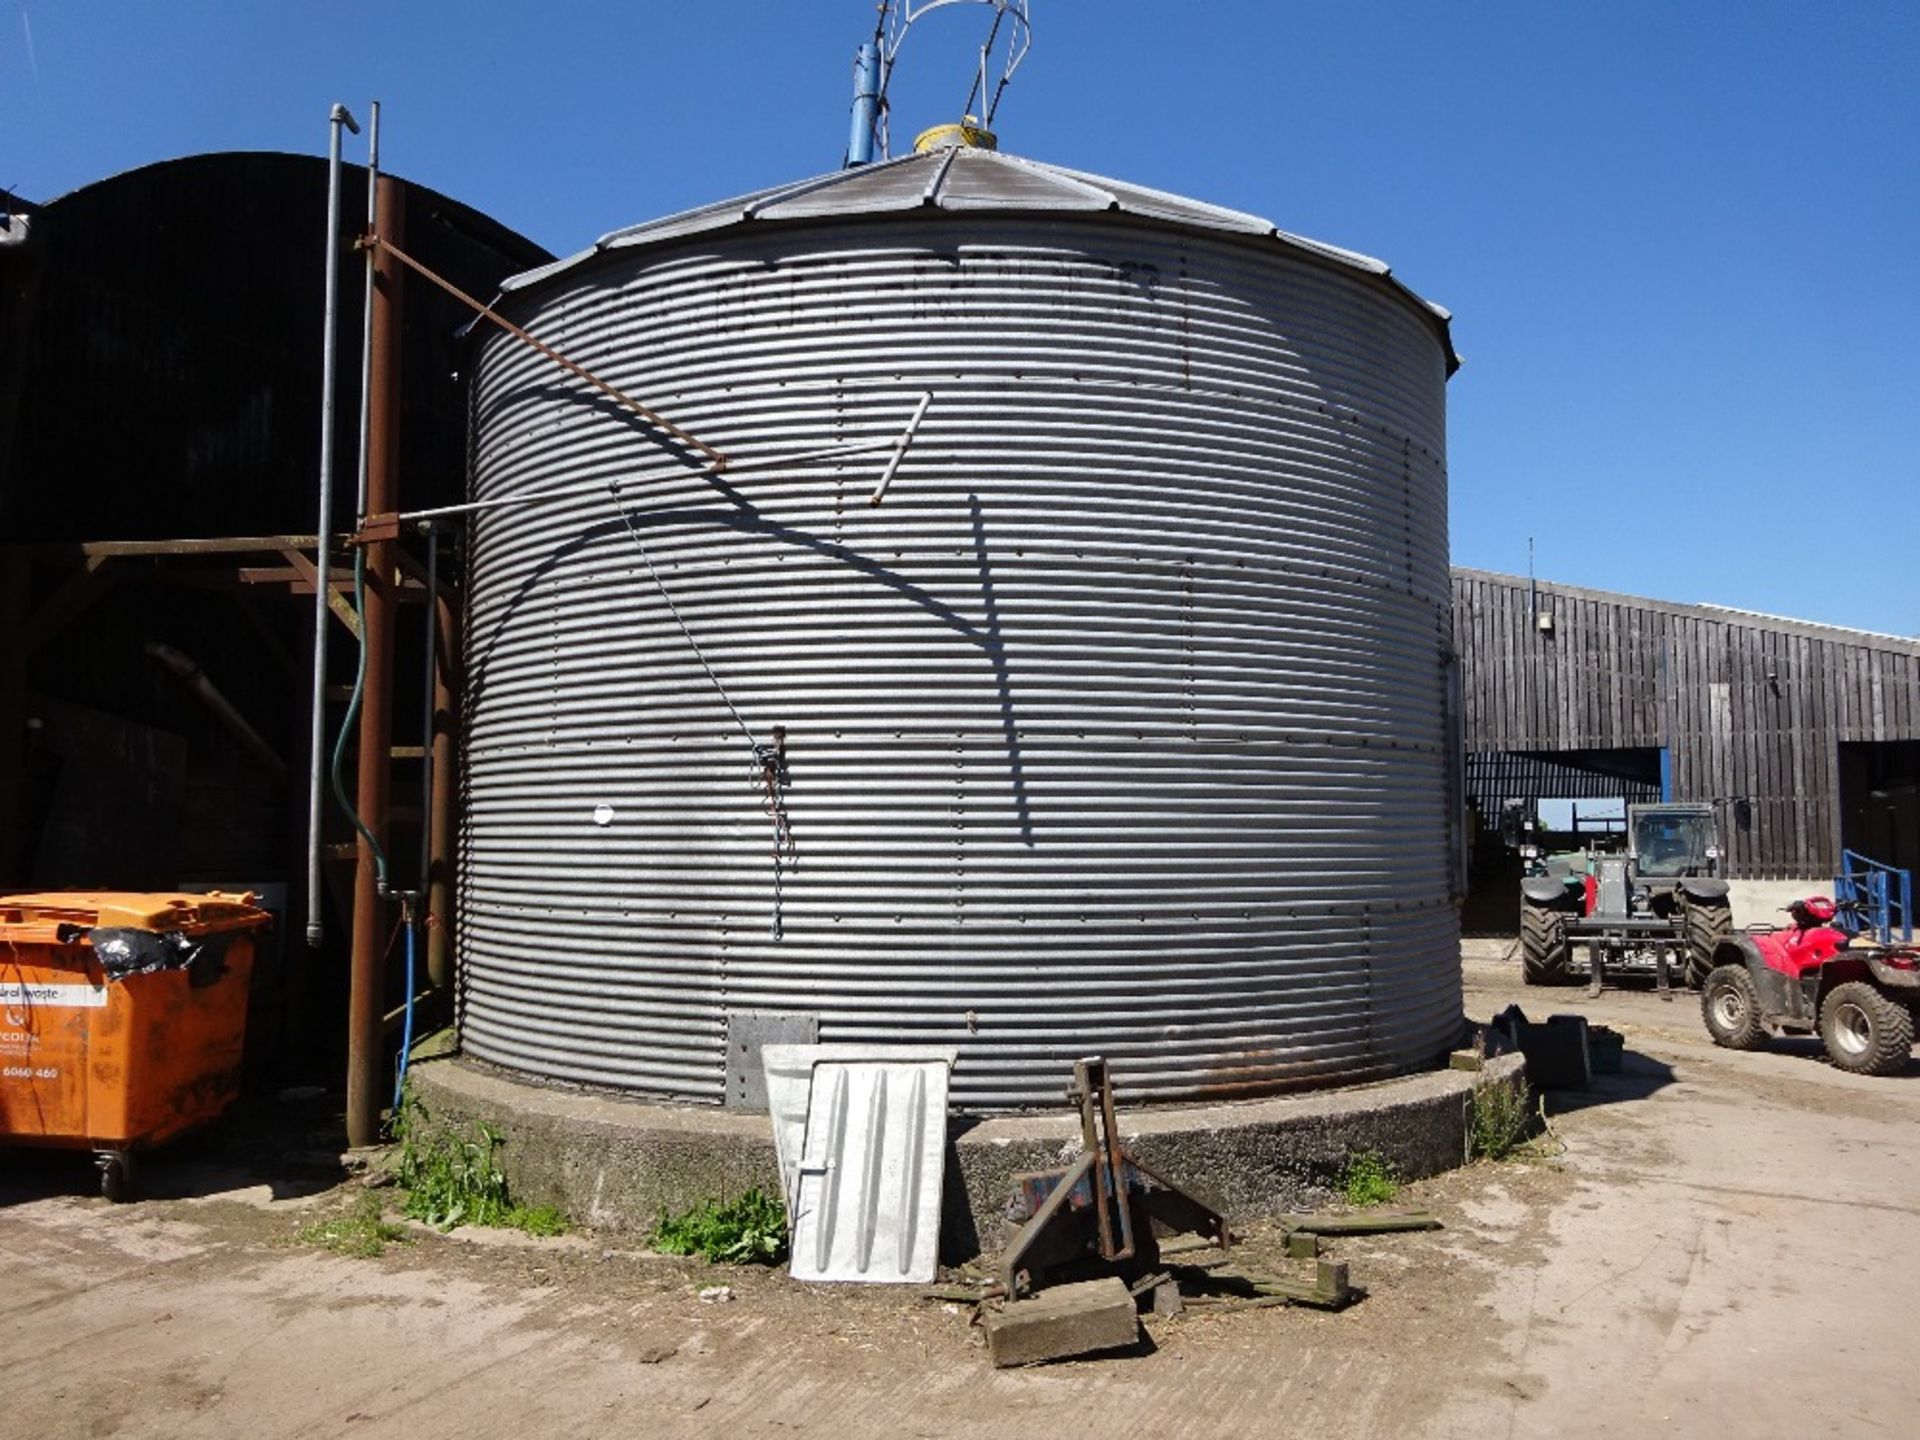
37,918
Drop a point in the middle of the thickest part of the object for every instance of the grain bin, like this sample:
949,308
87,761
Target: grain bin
1120,727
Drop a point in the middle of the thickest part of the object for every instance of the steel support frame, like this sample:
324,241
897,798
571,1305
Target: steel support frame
367,976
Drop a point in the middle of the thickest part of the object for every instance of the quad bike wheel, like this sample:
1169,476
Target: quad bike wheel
1864,1031
1545,952
1707,924
1731,1010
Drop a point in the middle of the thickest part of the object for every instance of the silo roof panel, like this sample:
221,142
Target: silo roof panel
972,180
1011,183
867,190
1159,205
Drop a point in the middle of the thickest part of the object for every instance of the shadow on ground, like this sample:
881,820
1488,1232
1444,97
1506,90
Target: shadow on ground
292,1146
1809,1048
1639,1076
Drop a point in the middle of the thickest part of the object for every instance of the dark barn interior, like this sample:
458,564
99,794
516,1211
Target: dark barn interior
159,443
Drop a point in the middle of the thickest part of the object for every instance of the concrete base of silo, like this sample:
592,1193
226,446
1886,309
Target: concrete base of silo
616,1163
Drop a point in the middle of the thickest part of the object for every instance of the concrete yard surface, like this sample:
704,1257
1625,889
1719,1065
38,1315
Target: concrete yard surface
1707,1244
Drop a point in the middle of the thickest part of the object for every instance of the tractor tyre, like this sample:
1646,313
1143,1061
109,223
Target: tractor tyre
1545,952
1864,1031
1731,1009
1707,924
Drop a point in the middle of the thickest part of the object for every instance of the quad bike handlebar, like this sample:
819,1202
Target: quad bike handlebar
1814,904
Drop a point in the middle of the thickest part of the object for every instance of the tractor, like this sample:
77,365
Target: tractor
1654,908
1815,977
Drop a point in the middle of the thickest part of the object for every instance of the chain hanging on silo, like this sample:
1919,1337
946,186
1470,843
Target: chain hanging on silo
769,761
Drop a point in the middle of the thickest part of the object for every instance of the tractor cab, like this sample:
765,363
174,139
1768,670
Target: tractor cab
1673,842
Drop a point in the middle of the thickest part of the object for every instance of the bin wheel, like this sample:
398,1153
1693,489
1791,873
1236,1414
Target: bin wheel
116,1175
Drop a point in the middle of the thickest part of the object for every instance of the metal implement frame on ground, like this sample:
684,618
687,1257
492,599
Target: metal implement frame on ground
1105,1205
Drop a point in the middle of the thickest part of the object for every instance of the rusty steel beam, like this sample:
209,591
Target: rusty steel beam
300,581
66,604
288,575
367,978
386,246
413,575
337,604
166,549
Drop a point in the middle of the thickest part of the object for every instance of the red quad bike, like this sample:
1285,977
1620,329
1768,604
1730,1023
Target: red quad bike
1811,976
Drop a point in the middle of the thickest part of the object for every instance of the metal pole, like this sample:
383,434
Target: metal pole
366,984
337,117
900,449
366,298
866,104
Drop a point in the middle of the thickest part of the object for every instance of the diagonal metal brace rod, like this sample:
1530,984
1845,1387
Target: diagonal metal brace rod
659,422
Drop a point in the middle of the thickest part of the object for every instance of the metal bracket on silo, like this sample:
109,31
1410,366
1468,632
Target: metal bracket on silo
747,1032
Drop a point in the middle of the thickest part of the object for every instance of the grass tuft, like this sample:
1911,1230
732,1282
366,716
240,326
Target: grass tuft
1369,1180
1499,1118
750,1230
451,1178
543,1220
363,1232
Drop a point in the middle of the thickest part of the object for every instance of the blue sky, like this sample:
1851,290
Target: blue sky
1677,237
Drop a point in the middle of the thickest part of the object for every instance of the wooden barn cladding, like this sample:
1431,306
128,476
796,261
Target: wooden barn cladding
1772,719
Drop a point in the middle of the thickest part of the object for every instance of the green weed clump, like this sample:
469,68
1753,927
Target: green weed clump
451,1178
363,1232
1369,1180
750,1230
1499,1116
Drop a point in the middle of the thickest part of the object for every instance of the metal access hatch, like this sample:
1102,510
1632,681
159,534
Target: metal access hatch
865,1172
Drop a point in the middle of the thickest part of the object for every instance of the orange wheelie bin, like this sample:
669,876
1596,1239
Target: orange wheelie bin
122,1019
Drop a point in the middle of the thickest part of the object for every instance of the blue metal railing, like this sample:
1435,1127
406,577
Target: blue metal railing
1884,894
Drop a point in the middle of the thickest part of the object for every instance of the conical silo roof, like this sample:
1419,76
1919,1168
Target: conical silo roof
964,179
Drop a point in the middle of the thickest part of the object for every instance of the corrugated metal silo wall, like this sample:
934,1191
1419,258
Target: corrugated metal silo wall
1117,729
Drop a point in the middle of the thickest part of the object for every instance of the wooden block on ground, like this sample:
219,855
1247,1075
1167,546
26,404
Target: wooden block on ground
1302,1245
1361,1222
1330,1283
1061,1321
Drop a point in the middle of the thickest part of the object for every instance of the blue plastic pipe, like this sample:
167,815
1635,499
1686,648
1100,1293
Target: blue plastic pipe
866,105
406,1027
